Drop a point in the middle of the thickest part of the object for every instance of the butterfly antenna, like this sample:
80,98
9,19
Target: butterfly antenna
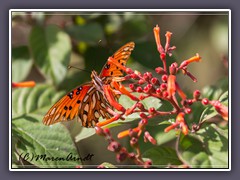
69,67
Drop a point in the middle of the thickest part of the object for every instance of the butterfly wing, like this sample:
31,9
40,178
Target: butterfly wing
85,102
121,56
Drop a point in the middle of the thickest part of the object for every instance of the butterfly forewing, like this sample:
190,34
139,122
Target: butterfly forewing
120,56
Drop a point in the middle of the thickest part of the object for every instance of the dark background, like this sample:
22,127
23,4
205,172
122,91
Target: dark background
5,6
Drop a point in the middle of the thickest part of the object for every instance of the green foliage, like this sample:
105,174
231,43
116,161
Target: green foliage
52,46
21,63
207,149
31,137
162,156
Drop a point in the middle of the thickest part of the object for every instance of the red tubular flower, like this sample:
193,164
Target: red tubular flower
180,92
171,85
131,109
111,99
24,84
150,138
126,132
108,121
123,90
168,38
169,128
221,109
185,63
180,121
156,31
185,72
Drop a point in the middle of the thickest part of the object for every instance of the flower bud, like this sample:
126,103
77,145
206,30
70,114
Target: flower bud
188,110
129,71
143,115
165,94
145,76
114,146
196,94
121,156
158,91
147,163
163,86
164,78
159,70
141,81
149,74
139,89
173,69
151,110
134,142
205,101
155,81
131,86
134,76
99,131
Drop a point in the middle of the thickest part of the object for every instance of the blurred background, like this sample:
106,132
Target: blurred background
90,38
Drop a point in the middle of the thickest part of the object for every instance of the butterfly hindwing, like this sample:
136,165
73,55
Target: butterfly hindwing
92,108
68,106
85,102
120,56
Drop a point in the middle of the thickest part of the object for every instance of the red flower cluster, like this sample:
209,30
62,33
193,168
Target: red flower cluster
164,87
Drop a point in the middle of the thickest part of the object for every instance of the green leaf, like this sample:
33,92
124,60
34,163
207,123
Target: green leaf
35,139
89,33
21,63
207,149
107,165
162,156
157,132
29,106
33,100
208,113
224,98
84,133
51,48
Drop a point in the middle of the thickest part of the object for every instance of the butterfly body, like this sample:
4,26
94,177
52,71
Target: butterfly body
88,101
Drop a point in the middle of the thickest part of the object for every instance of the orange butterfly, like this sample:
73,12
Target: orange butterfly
88,101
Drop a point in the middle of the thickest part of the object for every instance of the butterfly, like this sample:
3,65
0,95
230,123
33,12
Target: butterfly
88,101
